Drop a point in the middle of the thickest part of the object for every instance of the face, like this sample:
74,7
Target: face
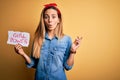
51,19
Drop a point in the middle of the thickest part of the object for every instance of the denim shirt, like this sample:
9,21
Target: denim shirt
53,59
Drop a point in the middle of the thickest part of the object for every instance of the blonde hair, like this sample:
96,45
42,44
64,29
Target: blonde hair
41,30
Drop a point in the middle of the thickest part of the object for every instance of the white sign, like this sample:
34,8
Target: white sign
16,37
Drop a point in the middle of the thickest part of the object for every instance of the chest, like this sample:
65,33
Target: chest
54,44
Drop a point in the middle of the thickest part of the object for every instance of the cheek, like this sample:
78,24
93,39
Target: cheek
57,20
45,21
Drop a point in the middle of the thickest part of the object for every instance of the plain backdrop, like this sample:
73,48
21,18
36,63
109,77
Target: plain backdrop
97,21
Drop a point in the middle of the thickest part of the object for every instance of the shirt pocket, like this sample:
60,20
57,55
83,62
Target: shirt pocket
59,52
43,56
61,46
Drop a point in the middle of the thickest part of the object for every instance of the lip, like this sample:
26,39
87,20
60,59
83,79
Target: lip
49,24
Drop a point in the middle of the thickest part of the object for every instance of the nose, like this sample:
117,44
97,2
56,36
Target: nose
50,19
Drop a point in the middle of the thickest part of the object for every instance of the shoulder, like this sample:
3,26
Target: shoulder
67,38
68,41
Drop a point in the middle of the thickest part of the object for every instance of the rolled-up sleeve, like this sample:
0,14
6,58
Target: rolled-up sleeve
67,53
67,67
33,63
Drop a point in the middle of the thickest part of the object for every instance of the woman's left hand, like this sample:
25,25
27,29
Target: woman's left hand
75,44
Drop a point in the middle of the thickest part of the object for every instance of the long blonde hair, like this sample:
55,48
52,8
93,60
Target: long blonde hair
41,30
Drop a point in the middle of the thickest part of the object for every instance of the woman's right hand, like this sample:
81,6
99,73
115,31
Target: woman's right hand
18,49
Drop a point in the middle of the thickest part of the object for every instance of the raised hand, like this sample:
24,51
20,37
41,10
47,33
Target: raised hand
75,44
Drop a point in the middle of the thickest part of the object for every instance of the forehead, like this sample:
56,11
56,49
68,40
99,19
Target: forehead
50,11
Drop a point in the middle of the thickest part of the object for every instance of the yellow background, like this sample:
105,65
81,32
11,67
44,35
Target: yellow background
97,21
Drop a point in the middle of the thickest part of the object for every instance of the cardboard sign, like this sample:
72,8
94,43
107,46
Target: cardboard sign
16,37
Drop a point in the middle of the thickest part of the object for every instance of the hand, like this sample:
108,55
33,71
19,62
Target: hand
18,49
75,44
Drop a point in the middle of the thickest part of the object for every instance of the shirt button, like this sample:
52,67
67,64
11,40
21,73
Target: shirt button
48,58
55,49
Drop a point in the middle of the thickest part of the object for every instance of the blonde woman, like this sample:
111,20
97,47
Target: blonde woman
53,51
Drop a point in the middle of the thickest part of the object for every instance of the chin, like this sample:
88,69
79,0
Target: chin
50,29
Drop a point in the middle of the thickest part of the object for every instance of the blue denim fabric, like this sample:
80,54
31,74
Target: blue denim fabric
53,57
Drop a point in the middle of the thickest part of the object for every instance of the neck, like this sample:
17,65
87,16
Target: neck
51,34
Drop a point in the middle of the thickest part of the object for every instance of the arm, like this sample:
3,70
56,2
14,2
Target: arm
74,47
18,49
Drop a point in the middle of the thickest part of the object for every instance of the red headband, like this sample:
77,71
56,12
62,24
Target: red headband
51,4
54,5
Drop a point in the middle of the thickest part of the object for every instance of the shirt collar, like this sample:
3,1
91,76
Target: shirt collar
47,37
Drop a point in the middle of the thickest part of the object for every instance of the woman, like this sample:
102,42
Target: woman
52,50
